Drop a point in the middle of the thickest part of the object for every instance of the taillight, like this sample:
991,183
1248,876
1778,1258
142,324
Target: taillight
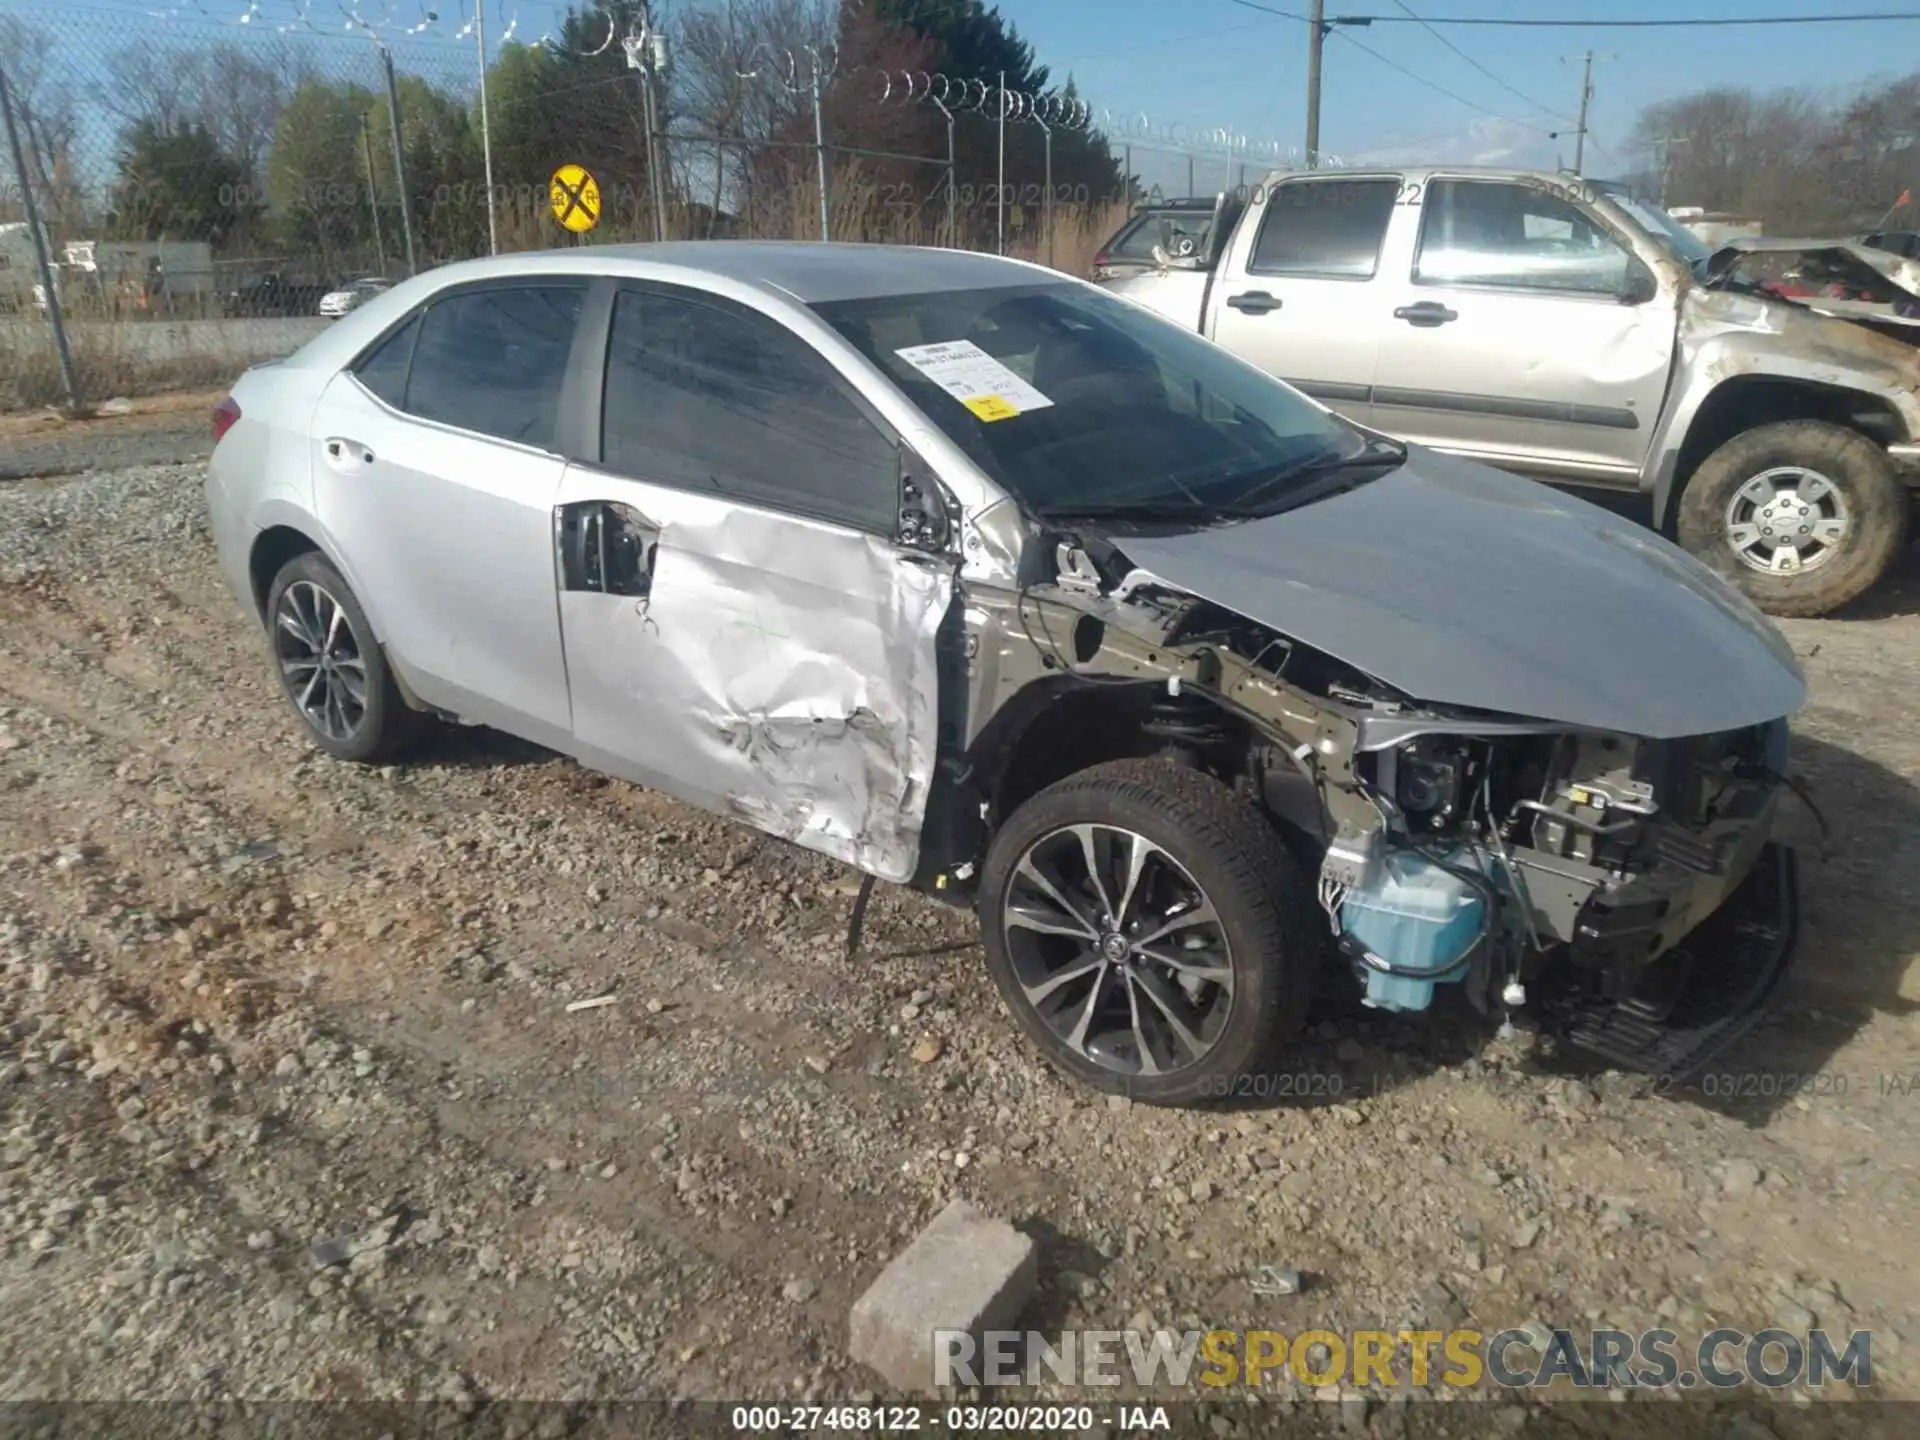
224,414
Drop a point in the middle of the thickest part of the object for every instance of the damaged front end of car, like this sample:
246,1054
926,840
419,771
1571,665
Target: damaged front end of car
1623,888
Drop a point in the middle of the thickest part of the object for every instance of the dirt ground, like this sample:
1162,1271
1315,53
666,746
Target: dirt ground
252,1000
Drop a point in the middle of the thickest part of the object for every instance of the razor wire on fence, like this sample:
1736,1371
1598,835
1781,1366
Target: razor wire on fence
220,160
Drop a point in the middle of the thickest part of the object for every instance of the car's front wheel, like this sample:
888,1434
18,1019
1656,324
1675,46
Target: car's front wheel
1802,515
1149,931
330,665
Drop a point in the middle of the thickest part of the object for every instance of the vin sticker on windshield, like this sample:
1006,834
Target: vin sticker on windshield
974,378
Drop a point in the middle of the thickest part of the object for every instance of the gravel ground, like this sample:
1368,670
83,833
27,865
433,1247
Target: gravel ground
253,1001
158,430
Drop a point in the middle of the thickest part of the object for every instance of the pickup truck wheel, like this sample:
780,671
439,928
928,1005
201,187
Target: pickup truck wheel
1803,516
1149,931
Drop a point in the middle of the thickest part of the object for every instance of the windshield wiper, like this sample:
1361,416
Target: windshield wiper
1161,508
1377,456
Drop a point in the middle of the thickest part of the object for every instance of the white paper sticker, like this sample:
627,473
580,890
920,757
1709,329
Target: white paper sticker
974,378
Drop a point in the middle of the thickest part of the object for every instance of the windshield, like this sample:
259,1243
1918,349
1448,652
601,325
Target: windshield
1662,226
1073,400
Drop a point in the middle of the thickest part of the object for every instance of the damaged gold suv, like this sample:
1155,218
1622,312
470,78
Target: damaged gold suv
983,580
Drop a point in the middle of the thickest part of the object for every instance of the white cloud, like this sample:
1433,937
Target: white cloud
1488,141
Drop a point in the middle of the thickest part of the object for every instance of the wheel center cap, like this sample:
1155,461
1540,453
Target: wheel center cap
1114,946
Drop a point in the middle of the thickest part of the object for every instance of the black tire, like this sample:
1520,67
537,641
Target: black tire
1862,477
1224,847
382,725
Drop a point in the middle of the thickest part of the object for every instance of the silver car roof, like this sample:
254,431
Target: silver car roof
811,272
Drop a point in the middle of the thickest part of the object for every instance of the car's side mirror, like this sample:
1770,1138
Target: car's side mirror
1639,286
926,519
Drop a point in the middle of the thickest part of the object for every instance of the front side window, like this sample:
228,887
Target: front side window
1327,228
493,361
706,396
1073,400
1488,232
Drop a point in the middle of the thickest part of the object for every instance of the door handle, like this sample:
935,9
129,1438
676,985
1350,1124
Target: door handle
1427,313
344,452
1254,302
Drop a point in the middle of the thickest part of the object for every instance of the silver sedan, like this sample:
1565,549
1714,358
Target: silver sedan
981,579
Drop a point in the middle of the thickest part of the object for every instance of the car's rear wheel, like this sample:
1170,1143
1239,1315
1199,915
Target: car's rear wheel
1802,515
1148,930
330,666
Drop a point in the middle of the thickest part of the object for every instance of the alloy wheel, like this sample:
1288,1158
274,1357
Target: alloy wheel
321,663
1118,950
1787,520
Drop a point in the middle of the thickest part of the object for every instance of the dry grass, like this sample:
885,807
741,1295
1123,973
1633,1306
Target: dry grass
105,366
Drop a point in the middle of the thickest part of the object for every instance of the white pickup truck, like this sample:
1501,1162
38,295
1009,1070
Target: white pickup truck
1764,397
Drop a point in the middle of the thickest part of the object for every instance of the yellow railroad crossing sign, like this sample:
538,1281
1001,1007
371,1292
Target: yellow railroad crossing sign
575,197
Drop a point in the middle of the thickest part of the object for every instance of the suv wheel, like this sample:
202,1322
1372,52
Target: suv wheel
1803,516
330,665
1148,930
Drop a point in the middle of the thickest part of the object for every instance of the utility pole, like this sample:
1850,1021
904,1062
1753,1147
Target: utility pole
1316,42
1580,135
373,195
1318,28
819,144
1586,103
486,131
647,53
1000,186
399,158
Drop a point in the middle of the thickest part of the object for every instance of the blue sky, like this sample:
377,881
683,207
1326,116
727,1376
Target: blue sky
1214,63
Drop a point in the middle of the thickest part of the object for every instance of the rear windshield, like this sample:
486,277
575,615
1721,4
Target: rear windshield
1181,233
1068,396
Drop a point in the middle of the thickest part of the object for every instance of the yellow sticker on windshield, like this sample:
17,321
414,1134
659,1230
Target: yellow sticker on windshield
990,407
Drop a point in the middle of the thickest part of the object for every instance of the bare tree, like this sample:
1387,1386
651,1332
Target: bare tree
1796,161
49,127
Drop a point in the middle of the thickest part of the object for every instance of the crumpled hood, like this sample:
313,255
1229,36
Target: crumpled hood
1462,585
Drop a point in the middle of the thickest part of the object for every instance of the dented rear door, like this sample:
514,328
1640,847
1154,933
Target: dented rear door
741,629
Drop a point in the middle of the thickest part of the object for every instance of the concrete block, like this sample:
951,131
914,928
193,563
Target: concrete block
965,1271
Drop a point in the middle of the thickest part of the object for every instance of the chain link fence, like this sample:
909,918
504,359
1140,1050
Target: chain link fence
197,188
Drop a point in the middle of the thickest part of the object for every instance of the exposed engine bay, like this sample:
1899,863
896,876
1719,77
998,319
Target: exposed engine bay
1840,278
1450,847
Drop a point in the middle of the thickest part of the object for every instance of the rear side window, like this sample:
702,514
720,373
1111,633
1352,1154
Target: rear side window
708,397
1327,228
493,361
384,369
1181,233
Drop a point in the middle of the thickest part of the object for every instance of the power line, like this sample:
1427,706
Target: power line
1544,109
1440,89
1701,21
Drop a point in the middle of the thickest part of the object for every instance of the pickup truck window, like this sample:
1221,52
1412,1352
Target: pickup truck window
1489,232
1110,406
1324,228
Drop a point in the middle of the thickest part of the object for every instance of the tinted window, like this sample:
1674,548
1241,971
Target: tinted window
384,370
1069,397
1477,232
708,397
493,360
1325,227
1181,233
